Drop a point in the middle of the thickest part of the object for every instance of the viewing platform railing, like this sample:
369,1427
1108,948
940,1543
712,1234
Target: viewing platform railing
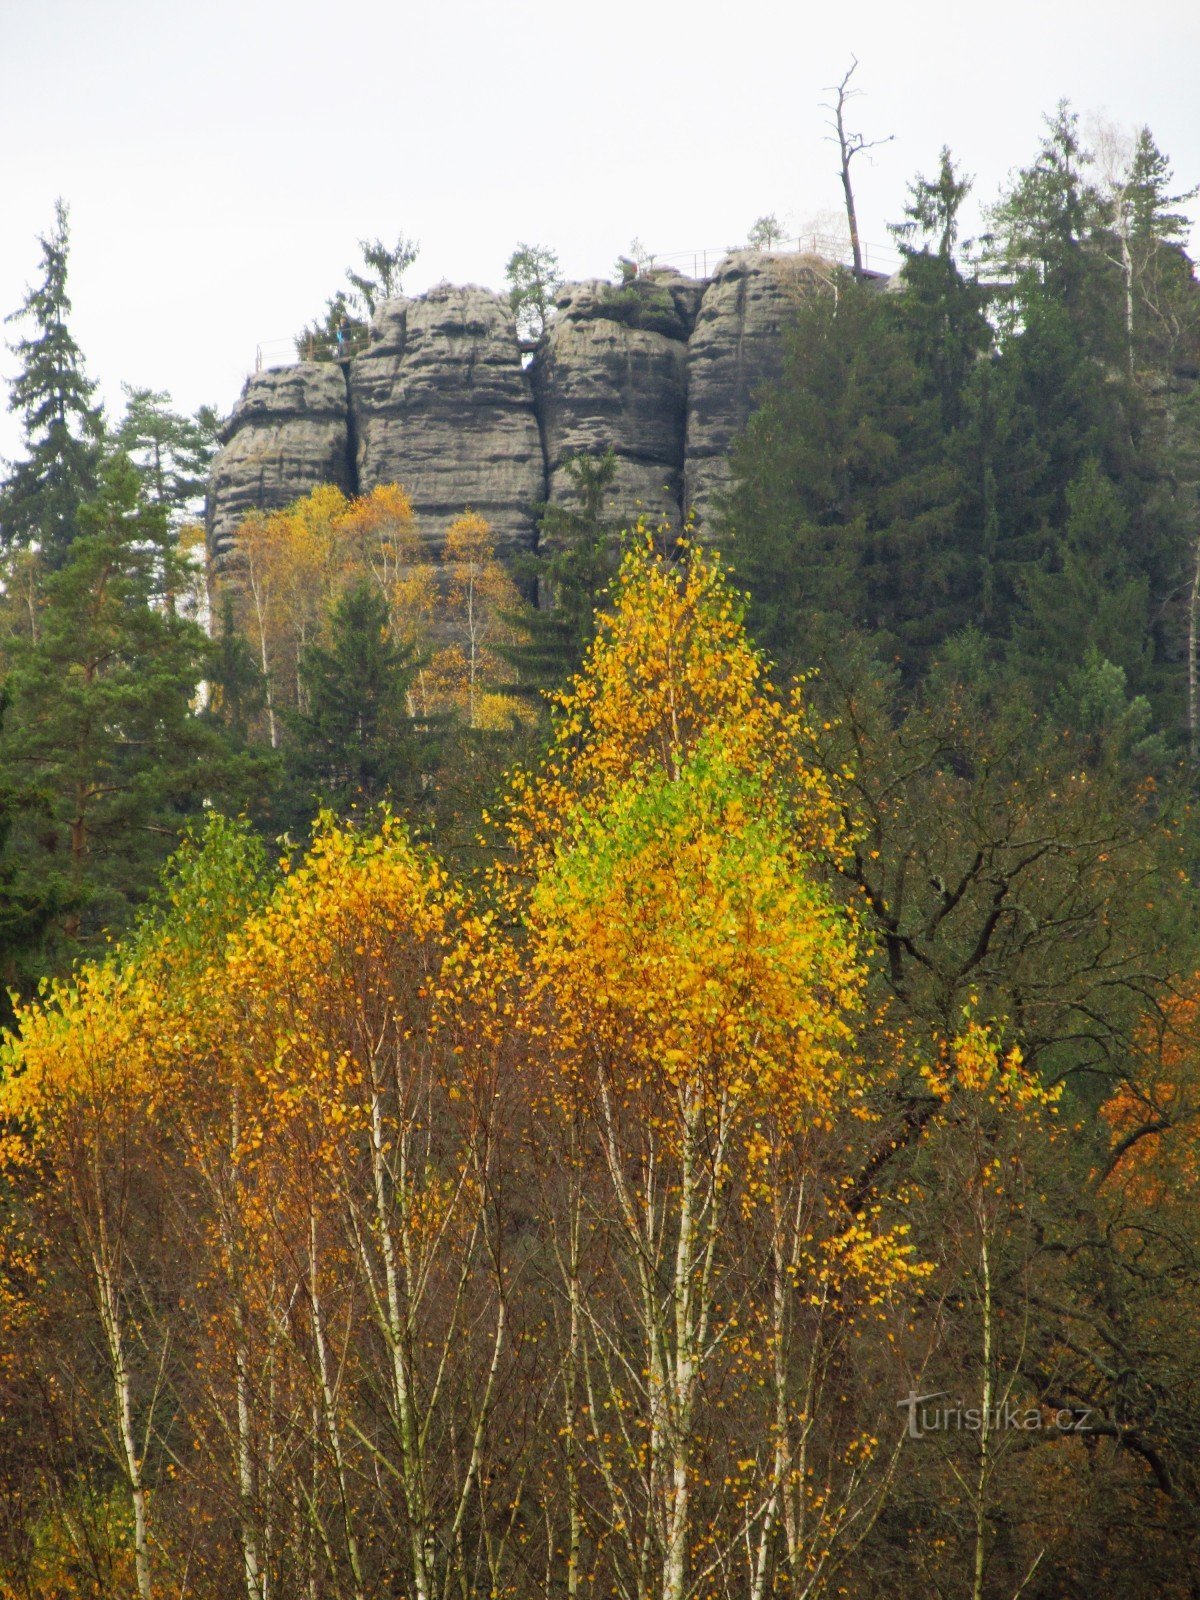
270,353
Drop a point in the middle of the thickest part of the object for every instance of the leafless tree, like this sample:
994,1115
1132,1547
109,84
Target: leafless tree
849,145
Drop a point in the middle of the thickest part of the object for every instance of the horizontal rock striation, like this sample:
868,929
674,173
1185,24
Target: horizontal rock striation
664,370
736,348
612,373
289,431
441,403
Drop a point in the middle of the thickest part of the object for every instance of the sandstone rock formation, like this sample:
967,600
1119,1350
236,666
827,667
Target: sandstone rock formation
664,369
612,371
441,403
288,432
735,349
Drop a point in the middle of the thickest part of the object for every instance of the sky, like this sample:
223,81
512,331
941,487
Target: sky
222,158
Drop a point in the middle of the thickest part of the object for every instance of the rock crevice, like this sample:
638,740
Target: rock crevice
663,370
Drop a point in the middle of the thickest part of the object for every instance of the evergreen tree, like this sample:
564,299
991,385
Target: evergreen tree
350,310
765,233
29,902
383,271
237,692
173,453
1041,247
56,401
1088,599
578,552
1036,414
318,340
355,743
944,313
1062,394
843,506
1164,299
100,717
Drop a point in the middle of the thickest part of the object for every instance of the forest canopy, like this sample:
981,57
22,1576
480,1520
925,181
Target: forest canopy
630,1071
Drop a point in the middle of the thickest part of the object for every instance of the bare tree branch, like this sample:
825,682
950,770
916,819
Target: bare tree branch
849,145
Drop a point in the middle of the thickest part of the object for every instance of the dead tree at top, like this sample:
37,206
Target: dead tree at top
849,145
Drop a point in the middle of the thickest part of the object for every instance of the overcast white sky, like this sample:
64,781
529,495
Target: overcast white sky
222,157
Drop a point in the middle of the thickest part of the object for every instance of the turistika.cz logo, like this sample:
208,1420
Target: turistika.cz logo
925,1418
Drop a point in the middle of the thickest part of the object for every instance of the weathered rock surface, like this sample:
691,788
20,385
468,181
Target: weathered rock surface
612,371
736,349
664,369
288,432
441,404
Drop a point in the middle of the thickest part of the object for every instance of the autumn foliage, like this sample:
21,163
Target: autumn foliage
365,1236
450,605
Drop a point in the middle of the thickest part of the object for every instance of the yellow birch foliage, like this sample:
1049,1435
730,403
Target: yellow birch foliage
328,1073
300,556
670,665
696,990
291,567
78,1104
356,932
684,919
479,597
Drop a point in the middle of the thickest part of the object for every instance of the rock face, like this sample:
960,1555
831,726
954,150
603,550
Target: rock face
664,369
735,349
441,403
612,371
288,432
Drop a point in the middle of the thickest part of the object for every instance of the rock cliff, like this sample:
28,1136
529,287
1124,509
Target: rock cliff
612,371
736,347
289,431
440,403
664,369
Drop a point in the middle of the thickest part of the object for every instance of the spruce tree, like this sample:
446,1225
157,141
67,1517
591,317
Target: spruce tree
1040,247
943,312
355,744
578,552
30,901
100,718
842,511
1164,295
62,424
1088,598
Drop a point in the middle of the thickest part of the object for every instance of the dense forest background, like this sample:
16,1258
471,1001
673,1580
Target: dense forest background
590,1067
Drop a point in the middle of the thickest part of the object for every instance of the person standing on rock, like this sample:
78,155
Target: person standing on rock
343,329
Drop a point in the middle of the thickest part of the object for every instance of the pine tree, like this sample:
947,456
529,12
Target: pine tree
101,715
62,424
534,277
172,453
383,271
350,310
